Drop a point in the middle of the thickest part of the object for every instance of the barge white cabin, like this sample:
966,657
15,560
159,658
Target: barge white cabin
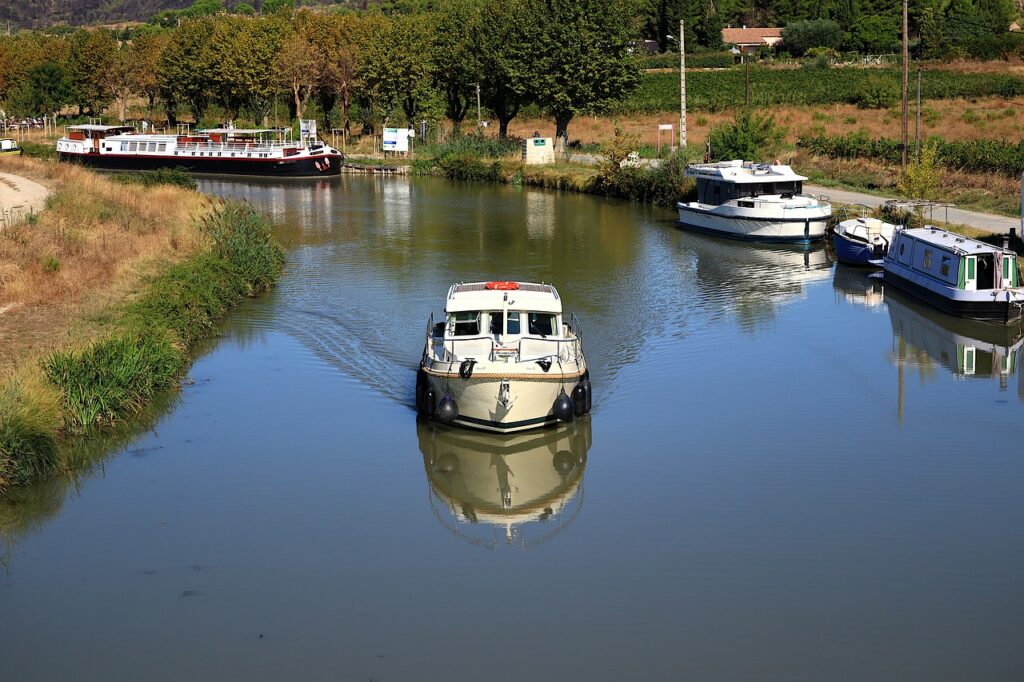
956,274
230,151
503,359
755,201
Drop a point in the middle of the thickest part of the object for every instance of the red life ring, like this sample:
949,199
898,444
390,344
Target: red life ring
502,286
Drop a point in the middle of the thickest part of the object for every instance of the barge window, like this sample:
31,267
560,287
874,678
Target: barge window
133,146
745,204
466,324
927,259
162,147
542,324
945,266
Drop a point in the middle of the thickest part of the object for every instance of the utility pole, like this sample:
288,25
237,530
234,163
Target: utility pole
906,79
682,86
917,123
479,122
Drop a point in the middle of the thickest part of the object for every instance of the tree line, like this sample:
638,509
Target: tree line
567,57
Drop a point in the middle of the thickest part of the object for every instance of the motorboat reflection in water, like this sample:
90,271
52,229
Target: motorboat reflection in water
967,348
862,241
858,286
494,487
503,359
958,275
756,201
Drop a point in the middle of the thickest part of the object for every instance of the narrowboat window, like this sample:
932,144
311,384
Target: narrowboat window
497,323
945,266
970,268
927,259
542,324
466,324
901,248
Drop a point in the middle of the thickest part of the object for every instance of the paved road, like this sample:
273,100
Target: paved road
958,216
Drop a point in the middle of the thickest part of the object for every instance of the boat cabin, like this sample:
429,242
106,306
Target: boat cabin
92,133
718,183
7,144
513,320
954,260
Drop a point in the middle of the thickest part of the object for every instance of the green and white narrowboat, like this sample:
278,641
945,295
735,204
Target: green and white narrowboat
956,274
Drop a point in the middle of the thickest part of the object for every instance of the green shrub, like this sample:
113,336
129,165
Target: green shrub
877,93
112,378
750,137
469,168
28,424
51,264
163,176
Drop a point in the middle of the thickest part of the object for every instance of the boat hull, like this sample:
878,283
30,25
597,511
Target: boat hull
1004,311
801,230
853,252
530,405
306,166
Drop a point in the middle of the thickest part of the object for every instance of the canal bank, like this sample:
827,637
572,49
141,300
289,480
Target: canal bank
104,294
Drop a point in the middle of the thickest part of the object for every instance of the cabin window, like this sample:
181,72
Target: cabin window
745,204
927,261
945,266
497,323
970,268
466,324
133,146
901,248
542,324
162,147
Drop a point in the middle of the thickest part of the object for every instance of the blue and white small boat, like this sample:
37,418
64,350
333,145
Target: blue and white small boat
859,241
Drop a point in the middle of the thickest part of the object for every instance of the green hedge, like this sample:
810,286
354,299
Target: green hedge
718,90
979,156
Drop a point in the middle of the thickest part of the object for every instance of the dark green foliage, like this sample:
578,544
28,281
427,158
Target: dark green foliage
473,145
877,93
46,90
662,185
163,176
979,156
800,36
750,137
469,168
719,90
38,150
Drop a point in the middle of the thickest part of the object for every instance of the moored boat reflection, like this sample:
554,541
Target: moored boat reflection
500,490
927,338
857,286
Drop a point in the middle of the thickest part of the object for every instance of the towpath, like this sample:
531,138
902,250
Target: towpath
19,198
988,222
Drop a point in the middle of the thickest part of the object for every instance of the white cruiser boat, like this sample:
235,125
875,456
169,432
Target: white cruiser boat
232,151
958,275
503,359
761,202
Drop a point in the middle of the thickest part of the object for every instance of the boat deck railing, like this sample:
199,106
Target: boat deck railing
251,147
485,347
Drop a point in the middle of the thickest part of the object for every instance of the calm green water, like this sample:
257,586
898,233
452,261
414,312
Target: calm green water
788,474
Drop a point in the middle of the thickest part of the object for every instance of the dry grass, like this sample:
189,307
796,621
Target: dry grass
92,245
987,118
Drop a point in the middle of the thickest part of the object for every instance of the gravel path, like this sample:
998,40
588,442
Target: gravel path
19,198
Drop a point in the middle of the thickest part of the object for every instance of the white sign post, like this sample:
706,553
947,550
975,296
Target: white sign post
396,140
663,126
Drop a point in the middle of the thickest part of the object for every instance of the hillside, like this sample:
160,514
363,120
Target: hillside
44,13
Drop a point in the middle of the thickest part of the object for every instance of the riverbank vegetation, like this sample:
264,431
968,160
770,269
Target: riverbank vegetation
104,295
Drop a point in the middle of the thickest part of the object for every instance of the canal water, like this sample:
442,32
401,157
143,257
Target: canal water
789,473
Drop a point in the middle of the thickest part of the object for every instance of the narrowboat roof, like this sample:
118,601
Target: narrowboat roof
950,240
740,172
469,296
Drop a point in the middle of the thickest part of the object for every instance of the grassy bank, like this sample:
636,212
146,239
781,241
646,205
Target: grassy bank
155,266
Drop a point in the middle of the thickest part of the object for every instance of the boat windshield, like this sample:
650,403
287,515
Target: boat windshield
464,324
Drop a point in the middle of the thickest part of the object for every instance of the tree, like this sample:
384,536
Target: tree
93,61
586,62
298,67
750,137
800,36
143,61
46,90
341,39
272,6
506,59
184,68
398,68
456,60
244,8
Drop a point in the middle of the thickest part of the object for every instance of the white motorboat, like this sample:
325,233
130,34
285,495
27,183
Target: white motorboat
760,202
862,241
503,359
956,274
